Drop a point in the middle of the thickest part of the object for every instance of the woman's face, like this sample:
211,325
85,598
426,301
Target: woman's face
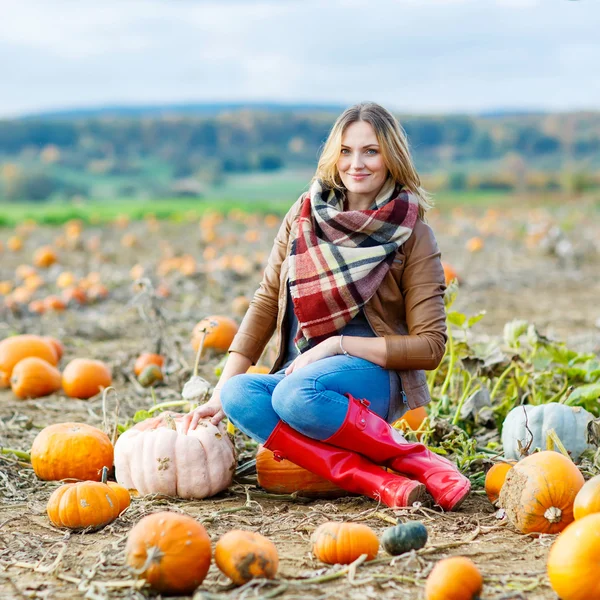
360,164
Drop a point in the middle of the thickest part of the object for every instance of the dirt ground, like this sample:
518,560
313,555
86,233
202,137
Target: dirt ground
535,264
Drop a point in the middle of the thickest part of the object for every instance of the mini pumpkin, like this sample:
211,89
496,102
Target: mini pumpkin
16,348
246,555
155,457
573,560
44,257
285,477
404,537
494,480
145,359
411,419
342,543
171,551
220,332
85,377
71,451
456,577
539,492
33,377
587,500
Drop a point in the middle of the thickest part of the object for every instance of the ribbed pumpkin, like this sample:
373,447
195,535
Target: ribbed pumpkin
33,377
246,555
587,500
85,377
145,359
220,332
342,543
87,504
16,348
495,478
71,451
573,560
454,578
285,477
539,492
171,551
56,344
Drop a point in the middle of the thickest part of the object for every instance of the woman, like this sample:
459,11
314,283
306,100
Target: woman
354,288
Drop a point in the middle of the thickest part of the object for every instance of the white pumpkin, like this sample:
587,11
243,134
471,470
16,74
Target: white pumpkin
569,422
154,458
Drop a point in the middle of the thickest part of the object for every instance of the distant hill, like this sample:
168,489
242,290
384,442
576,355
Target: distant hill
195,109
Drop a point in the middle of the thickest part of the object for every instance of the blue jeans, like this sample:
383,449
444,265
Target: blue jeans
310,400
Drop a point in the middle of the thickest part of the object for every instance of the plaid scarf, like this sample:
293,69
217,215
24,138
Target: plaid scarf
339,258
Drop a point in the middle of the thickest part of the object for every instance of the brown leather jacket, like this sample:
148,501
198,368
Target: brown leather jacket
407,310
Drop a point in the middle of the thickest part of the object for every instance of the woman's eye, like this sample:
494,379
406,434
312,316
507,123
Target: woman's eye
372,151
345,150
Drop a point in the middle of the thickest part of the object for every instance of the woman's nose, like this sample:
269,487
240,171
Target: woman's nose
357,161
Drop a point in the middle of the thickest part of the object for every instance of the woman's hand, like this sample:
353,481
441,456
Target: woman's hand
328,347
212,408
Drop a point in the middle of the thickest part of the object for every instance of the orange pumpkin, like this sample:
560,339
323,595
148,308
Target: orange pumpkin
74,295
37,307
411,419
14,243
342,543
494,480
122,494
56,344
85,377
245,555
539,492
573,560
259,369
71,451
44,257
449,272
171,551
34,377
220,332
65,279
587,500
455,578
16,348
54,303
284,477
145,359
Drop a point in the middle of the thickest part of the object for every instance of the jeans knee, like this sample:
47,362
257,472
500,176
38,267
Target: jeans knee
291,400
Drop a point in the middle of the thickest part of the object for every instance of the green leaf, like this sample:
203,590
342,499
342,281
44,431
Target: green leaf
584,393
513,331
456,318
141,415
475,318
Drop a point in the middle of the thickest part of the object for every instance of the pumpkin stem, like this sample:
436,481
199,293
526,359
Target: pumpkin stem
18,453
104,474
169,422
199,353
154,555
552,440
553,514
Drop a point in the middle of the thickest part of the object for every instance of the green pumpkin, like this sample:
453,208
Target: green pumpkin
404,538
569,422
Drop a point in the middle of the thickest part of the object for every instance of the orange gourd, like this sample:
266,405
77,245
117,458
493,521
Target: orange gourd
573,560
122,494
16,348
411,420
71,451
145,359
171,551
587,500
245,555
285,477
454,578
449,272
54,303
220,332
85,377
539,492
56,344
34,377
44,257
342,543
494,480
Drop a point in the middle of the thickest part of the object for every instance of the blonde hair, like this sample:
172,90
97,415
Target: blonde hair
393,144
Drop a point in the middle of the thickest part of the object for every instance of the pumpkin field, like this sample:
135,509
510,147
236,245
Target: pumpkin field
82,301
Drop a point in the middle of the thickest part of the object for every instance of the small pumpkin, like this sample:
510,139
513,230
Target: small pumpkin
85,377
220,332
145,359
494,480
16,348
573,560
171,551
455,578
411,419
71,451
285,477
404,537
86,504
449,272
539,492
44,257
587,500
150,375
342,543
246,555
33,377
569,422
258,369
56,344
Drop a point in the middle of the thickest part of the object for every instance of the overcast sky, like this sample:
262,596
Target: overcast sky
410,55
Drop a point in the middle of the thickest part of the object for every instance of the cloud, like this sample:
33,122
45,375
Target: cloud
414,55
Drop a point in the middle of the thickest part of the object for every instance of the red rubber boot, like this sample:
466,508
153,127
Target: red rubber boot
367,433
349,470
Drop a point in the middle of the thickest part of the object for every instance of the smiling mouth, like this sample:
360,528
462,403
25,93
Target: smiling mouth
360,176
